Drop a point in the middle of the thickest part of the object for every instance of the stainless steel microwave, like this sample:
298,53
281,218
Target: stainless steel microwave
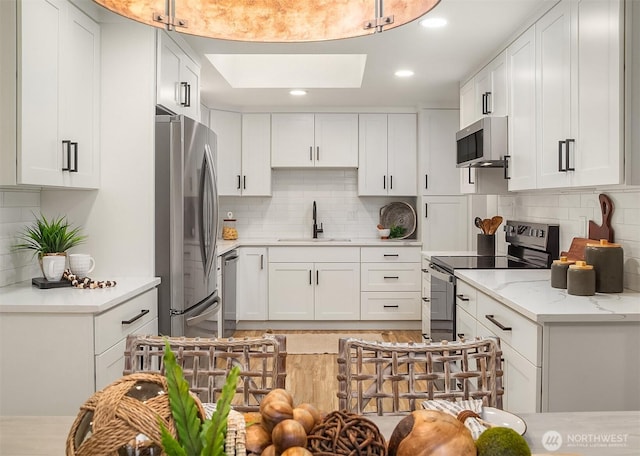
482,144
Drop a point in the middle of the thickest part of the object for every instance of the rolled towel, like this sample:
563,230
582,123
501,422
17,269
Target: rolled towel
468,412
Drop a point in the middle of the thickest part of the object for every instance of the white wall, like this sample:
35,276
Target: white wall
288,213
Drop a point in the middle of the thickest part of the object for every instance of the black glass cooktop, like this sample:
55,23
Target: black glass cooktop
481,262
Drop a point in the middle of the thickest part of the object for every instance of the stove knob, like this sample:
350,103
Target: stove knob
540,233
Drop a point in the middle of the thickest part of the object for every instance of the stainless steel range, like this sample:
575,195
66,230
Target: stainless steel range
530,246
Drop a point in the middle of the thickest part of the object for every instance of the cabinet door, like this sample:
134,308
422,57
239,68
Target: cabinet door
521,61
444,224
337,291
599,148
402,154
227,126
553,48
292,140
468,111
336,140
189,95
168,88
465,324
437,155
291,291
252,292
493,85
256,155
372,154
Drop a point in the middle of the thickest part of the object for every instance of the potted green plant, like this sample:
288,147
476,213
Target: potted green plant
52,236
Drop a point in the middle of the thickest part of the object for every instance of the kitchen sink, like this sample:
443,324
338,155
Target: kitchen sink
314,240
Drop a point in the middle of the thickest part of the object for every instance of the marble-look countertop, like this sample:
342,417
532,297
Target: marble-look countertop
431,253
24,297
529,292
226,246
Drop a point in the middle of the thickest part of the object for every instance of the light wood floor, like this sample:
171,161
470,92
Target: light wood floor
313,378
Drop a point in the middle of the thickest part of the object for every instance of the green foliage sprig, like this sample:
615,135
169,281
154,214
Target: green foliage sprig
195,438
396,231
44,236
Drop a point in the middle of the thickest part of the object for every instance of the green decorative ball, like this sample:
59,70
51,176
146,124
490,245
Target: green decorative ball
502,441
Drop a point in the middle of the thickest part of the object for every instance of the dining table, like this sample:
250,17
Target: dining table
549,434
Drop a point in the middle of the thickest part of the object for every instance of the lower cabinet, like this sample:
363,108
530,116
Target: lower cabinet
308,283
53,362
253,296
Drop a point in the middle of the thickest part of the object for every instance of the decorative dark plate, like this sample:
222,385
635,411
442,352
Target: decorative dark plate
41,282
401,214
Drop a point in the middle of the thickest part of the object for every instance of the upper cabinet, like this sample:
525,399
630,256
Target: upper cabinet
301,140
438,174
486,93
387,155
178,76
243,153
57,49
579,88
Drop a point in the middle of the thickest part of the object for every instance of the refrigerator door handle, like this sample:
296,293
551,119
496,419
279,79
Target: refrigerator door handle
208,221
214,308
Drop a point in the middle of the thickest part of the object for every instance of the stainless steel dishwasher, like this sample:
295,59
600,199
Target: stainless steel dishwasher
229,276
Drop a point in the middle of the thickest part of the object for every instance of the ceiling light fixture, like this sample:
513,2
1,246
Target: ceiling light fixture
272,20
433,22
404,73
297,92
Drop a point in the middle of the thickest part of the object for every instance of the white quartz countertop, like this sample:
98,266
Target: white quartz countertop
431,253
529,292
226,246
24,297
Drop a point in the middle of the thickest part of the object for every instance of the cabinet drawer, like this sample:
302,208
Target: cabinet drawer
521,333
386,277
109,328
316,254
391,254
466,297
465,324
390,306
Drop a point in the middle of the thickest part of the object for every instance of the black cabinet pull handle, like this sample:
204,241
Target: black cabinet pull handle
391,277
244,182
425,299
238,181
317,153
75,158
310,153
390,254
426,181
469,178
560,168
188,103
309,276
497,323
66,147
317,277
142,313
384,182
261,262
489,111
426,209
484,103
390,182
426,271
568,148
386,306
506,167
183,87
462,297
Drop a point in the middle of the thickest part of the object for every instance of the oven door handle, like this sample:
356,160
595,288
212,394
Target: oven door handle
440,275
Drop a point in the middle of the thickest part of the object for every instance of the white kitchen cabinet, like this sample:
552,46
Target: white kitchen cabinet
391,283
178,76
438,174
253,293
465,325
58,97
71,354
483,181
302,140
387,155
308,283
468,111
521,68
486,93
444,222
579,107
243,153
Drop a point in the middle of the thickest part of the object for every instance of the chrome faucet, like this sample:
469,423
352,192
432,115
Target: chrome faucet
316,230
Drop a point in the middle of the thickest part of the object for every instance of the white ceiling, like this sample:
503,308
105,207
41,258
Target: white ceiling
440,58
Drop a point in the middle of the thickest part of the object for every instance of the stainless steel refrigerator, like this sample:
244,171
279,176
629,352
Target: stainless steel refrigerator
186,214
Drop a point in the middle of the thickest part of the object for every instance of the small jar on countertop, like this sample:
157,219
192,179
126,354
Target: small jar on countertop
607,259
581,279
229,230
559,269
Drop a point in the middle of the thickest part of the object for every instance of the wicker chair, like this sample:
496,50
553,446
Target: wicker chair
391,378
206,363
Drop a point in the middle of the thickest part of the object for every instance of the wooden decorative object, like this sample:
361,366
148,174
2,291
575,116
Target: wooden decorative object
206,363
393,378
343,433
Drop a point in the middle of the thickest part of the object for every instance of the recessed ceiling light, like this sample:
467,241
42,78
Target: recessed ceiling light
404,73
298,92
433,22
